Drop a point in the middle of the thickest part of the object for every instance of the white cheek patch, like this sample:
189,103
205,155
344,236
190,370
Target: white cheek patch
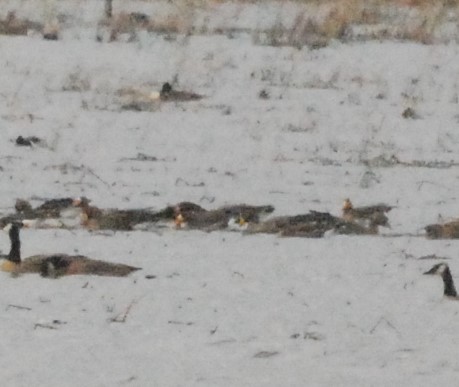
234,225
154,95
441,269
29,223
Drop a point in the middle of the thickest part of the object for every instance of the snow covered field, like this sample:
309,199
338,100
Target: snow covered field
222,308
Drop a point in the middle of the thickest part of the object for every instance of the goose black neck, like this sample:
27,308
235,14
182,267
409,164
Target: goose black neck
15,251
450,290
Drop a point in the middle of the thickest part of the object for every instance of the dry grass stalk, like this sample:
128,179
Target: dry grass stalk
316,23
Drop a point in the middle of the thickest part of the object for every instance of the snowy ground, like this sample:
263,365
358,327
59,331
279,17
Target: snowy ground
225,309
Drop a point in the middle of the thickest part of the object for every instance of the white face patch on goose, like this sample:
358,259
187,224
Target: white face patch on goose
438,269
29,223
154,95
441,268
237,224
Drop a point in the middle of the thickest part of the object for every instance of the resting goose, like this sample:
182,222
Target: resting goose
167,93
448,230
312,225
218,219
113,219
442,269
49,209
375,214
56,265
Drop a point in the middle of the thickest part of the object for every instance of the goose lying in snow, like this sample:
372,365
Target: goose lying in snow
195,217
442,269
448,230
54,213
167,93
313,225
56,265
375,214
49,209
113,219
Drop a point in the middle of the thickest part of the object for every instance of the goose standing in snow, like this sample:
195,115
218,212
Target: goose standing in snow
56,265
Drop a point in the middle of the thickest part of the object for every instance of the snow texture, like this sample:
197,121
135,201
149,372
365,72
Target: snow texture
223,308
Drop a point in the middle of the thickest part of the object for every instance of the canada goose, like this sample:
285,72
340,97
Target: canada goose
56,265
167,93
375,213
448,230
442,269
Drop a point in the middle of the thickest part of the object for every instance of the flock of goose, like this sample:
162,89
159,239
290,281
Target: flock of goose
78,212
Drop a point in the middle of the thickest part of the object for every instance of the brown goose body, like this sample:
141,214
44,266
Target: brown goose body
49,209
218,219
313,224
356,228
248,212
113,219
375,213
448,230
206,220
58,265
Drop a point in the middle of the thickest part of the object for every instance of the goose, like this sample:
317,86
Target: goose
167,93
49,209
218,219
54,213
345,227
313,224
448,230
442,269
375,213
249,213
56,265
113,219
